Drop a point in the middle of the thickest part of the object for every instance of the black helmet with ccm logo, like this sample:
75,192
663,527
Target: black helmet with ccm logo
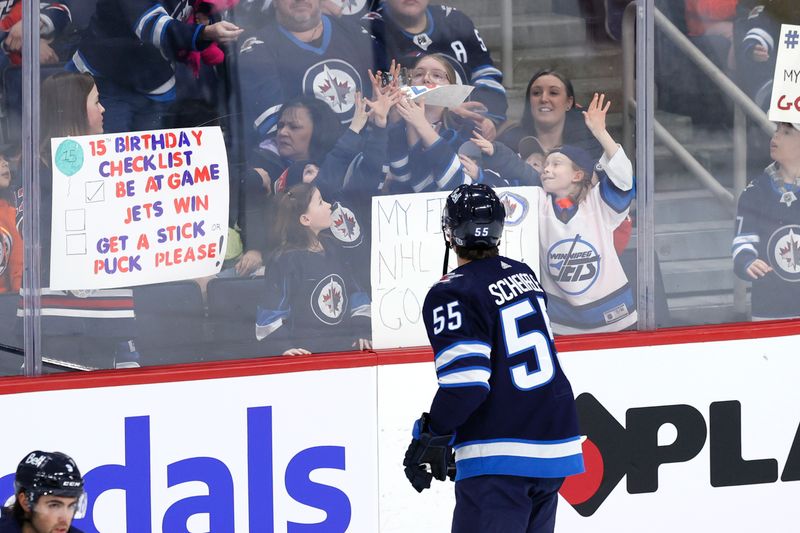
473,217
48,474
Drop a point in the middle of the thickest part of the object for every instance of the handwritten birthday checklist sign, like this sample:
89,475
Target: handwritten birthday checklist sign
138,208
408,252
785,102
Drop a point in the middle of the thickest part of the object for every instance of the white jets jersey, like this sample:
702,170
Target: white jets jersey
587,289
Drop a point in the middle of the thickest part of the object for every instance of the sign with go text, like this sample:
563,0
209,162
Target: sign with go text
785,103
138,208
408,251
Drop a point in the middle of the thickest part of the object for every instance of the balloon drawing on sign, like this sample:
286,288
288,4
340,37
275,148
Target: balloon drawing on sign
69,157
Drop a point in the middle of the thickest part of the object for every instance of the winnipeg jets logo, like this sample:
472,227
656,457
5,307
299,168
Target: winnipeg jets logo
345,226
351,7
335,82
516,208
788,198
574,265
784,252
329,300
423,41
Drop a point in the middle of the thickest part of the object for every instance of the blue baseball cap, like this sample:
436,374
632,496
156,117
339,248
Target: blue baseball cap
579,156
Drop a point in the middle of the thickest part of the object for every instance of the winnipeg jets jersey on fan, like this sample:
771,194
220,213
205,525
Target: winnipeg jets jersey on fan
135,42
452,33
768,227
501,387
310,301
581,272
420,169
275,66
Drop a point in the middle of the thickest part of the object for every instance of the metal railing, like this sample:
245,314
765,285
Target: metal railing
743,106
507,29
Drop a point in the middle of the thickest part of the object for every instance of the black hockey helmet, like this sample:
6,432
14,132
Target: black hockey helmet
473,217
49,474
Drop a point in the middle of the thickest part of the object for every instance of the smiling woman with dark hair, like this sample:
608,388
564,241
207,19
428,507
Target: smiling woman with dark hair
551,115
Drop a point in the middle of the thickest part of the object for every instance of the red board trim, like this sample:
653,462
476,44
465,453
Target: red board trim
286,364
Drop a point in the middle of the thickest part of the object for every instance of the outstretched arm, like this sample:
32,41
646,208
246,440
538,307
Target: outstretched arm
595,118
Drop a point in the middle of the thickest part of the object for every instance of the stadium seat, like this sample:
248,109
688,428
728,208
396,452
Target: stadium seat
232,306
10,334
170,320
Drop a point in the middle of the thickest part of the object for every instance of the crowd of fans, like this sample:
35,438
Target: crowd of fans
311,96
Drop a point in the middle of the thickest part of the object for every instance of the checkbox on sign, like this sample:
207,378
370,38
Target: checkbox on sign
75,220
95,191
76,244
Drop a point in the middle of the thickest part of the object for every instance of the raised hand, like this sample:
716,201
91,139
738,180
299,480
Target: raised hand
470,110
413,112
381,105
470,167
595,119
595,114
486,146
360,115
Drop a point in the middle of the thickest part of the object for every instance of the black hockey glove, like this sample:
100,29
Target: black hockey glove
428,456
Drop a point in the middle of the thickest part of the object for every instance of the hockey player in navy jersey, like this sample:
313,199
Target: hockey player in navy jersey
504,403
410,29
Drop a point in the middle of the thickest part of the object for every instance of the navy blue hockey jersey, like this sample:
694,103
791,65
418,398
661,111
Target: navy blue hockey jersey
135,42
501,387
420,169
311,301
768,228
275,66
449,32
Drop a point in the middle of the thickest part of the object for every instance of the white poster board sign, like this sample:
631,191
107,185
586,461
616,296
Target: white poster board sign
785,103
137,208
439,95
408,251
